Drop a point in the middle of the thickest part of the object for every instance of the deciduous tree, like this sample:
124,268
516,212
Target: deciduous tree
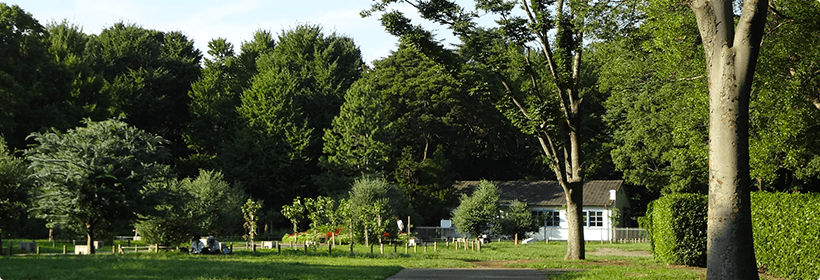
97,174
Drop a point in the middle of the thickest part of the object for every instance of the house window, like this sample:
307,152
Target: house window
594,218
550,217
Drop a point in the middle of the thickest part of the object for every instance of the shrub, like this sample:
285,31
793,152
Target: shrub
785,228
787,233
477,213
677,229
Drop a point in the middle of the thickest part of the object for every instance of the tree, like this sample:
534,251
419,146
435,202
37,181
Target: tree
373,203
543,88
14,191
147,76
215,97
731,55
294,212
250,211
477,213
359,141
34,90
293,98
517,219
95,175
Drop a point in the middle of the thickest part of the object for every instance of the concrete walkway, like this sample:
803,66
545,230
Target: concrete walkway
467,273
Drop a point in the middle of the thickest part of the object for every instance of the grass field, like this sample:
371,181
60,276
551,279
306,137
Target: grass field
295,264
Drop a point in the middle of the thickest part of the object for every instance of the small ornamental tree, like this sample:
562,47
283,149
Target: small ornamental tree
294,212
96,175
517,220
250,212
476,214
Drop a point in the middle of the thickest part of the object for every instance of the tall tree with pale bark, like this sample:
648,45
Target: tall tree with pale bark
731,55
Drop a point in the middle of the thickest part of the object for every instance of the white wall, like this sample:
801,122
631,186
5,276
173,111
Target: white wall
591,233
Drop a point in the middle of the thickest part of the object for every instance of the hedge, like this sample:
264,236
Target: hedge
786,228
676,225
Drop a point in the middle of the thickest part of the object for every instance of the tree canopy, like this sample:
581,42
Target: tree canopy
97,174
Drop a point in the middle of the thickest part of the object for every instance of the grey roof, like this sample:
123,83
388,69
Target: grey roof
545,193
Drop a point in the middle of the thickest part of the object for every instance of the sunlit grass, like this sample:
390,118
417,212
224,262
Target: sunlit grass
340,264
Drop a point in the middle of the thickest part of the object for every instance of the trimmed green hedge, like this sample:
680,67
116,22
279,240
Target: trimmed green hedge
676,224
786,230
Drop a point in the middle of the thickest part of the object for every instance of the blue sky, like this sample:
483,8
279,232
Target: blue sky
236,21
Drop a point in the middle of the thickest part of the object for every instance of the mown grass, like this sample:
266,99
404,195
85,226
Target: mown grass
319,264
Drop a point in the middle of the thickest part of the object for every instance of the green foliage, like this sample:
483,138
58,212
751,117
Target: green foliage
784,232
477,213
676,225
34,89
215,96
147,76
96,174
517,219
250,211
206,205
373,205
785,227
428,184
658,107
359,141
293,98
294,212
14,190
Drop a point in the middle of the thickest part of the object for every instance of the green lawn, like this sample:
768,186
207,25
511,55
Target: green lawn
290,264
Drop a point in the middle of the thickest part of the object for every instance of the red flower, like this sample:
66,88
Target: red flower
386,234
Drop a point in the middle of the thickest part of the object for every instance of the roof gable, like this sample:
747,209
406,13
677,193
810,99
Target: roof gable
545,193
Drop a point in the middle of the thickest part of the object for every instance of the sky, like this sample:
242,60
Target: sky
236,21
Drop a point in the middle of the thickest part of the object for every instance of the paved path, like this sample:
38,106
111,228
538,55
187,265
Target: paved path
467,273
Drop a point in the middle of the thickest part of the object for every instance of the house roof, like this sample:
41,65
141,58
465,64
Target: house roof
545,193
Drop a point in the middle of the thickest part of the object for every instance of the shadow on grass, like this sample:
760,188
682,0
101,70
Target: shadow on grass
180,267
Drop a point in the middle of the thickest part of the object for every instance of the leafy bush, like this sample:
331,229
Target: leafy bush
676,225
784,226
787,233
477,213
517,220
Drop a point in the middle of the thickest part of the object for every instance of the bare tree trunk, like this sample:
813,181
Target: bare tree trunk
89,231
575,221
731,54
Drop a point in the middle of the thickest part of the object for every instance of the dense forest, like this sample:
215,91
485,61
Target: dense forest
298,113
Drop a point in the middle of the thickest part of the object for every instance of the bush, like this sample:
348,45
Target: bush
477,213
785,228
787,233
676,225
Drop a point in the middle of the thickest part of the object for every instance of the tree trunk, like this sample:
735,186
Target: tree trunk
575,221
89,231
730,62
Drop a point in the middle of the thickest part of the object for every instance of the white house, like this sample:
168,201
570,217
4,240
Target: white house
547,198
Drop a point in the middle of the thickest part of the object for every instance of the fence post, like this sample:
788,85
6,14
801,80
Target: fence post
231,247
330,249
406,245
38,250
435,245
278,248
456,243
425,247
395,247
479,245
253,248
64,249
306,248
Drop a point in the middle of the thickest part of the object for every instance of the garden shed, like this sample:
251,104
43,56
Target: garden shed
547,199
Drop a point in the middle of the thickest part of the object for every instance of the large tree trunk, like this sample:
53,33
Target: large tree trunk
89,232
575,222
730,62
